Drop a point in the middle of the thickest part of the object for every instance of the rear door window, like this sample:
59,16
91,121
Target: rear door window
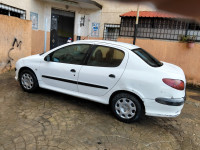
148,58
103,56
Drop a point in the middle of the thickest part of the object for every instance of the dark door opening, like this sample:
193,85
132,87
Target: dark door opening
62,27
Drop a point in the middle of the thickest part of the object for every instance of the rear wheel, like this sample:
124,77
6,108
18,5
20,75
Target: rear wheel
126,107
28,81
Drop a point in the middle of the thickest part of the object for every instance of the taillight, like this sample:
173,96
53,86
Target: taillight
174,83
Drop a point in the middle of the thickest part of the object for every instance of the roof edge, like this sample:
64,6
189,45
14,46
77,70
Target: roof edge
152,14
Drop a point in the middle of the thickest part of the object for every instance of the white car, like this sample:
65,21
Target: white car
122,75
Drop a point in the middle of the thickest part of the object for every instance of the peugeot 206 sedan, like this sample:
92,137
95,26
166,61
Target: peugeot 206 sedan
122,75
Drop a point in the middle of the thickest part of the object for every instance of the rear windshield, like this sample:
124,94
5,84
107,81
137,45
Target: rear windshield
148,58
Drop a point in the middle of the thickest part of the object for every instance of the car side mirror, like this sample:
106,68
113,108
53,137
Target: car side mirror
47,58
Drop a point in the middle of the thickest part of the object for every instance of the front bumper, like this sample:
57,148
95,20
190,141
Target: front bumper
16,74
18,65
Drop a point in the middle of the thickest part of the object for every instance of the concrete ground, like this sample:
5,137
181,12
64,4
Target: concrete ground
50,120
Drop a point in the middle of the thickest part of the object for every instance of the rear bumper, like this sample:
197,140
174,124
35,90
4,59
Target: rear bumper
170,102
163,107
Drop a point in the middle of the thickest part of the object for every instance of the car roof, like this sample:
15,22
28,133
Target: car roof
126,45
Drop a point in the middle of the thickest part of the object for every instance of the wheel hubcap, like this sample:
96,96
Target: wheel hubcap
27,81
125,108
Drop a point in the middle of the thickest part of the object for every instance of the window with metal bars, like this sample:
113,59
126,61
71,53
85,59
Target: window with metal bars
160,28
111,31
12,11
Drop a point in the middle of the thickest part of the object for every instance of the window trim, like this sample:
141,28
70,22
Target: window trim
93,48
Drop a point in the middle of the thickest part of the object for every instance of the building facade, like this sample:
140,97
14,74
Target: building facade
54,21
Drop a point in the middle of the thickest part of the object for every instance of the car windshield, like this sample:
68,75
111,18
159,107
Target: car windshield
148,58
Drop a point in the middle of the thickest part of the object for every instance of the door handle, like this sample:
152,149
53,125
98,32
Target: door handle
73,70
112,76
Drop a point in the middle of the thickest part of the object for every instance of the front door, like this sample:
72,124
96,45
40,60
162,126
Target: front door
61,71
103,70
62,27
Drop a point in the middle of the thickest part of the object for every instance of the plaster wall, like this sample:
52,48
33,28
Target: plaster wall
13,28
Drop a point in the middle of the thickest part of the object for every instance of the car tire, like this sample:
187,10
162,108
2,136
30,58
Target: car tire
126,107
28,81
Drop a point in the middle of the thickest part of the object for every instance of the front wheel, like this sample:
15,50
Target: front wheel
28,81
126,107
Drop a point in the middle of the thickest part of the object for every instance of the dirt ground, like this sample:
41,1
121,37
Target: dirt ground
50,120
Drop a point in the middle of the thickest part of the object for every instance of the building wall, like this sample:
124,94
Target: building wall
173,52
36,6
11,28
40,8
43,9
109,14
37,42
112,10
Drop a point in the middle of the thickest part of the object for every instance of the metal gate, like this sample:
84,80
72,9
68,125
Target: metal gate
62,27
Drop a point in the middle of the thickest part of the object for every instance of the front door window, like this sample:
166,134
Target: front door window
73,54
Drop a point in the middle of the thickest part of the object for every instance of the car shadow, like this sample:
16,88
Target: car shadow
72,100
93,106
89,105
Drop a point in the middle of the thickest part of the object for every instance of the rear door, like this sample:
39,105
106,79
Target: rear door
104,68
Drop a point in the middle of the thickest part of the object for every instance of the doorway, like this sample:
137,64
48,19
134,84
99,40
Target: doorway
62,27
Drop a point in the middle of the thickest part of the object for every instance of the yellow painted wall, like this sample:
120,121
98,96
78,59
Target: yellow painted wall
37,43
11,28
173,52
